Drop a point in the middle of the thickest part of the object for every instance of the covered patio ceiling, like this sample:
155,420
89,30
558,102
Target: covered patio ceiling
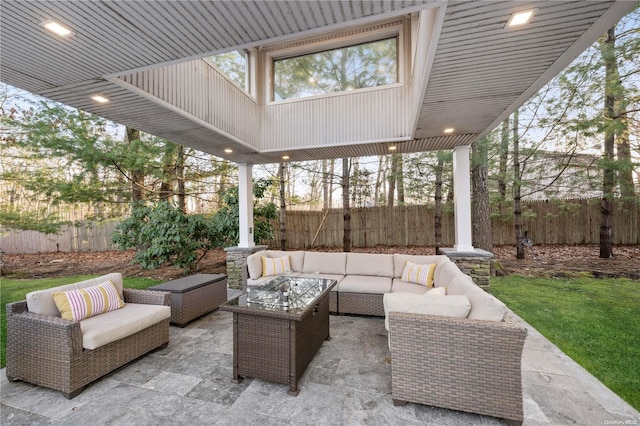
476,71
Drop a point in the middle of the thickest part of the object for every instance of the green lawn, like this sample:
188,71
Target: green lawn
15,290
594,321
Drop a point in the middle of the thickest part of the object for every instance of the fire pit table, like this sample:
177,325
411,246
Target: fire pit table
278,327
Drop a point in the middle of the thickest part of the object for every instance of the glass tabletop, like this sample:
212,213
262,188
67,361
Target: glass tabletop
283,294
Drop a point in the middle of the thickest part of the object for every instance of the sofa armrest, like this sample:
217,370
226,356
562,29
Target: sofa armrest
148,297
458,363
30,333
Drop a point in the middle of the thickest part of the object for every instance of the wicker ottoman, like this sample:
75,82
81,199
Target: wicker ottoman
194,296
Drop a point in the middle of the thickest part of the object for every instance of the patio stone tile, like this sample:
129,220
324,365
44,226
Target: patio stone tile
444,417
205,364
9,389
347,383
172,383
174,409
143,369
357,375
317,404
268,399
533,412
319,375
540,361
10,416
44,402
554,380
567,406
219,389
97,413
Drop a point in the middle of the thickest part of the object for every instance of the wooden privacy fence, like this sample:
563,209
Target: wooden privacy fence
575,221
86,237
547,222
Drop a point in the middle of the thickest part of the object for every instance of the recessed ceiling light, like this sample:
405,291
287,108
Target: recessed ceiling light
57,28
520,18
100,99
285,157
228,150
449,130
392,147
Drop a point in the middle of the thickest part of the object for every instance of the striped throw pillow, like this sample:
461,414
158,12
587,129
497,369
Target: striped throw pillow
419,274
77,305
275,265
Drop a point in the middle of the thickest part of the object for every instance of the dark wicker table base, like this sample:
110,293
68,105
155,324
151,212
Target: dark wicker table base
278,349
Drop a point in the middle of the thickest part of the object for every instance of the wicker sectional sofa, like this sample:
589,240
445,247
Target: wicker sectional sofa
461,351
65,355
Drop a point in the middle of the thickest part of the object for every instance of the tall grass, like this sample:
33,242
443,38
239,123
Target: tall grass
594,321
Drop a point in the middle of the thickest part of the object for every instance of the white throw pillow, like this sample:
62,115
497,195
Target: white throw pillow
275,265
419,274
437,291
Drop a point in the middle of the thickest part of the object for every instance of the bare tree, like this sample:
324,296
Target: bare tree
608,179
480,208
437,232
504,156
517,177
137,175
346,209
283,207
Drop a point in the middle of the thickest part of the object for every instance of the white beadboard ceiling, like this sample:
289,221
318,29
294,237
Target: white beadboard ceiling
481,71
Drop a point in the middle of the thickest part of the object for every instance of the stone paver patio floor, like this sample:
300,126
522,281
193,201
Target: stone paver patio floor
348,383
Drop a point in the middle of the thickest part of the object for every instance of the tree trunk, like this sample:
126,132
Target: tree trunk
182,193
346,209
437,231
168,171
504,157
400,179
379,179
283,207
325,186
331,169
608,180
480,208
137,175
517,208
355,167
391,179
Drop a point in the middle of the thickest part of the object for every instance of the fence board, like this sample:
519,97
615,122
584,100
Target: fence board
574,221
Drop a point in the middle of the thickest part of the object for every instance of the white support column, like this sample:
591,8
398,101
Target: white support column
462,198
245,199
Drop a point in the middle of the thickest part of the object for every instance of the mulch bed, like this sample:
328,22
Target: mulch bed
549,261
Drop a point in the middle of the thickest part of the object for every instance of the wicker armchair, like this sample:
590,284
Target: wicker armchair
47,351
458,363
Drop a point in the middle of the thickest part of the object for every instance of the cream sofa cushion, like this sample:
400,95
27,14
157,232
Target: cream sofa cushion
446,306
254,261
106,328
400,286
483,305
446,273
379,265
324,263
400,260
364,284
41,301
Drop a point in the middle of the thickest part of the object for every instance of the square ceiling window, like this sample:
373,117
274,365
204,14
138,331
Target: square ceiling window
234,65
348,68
